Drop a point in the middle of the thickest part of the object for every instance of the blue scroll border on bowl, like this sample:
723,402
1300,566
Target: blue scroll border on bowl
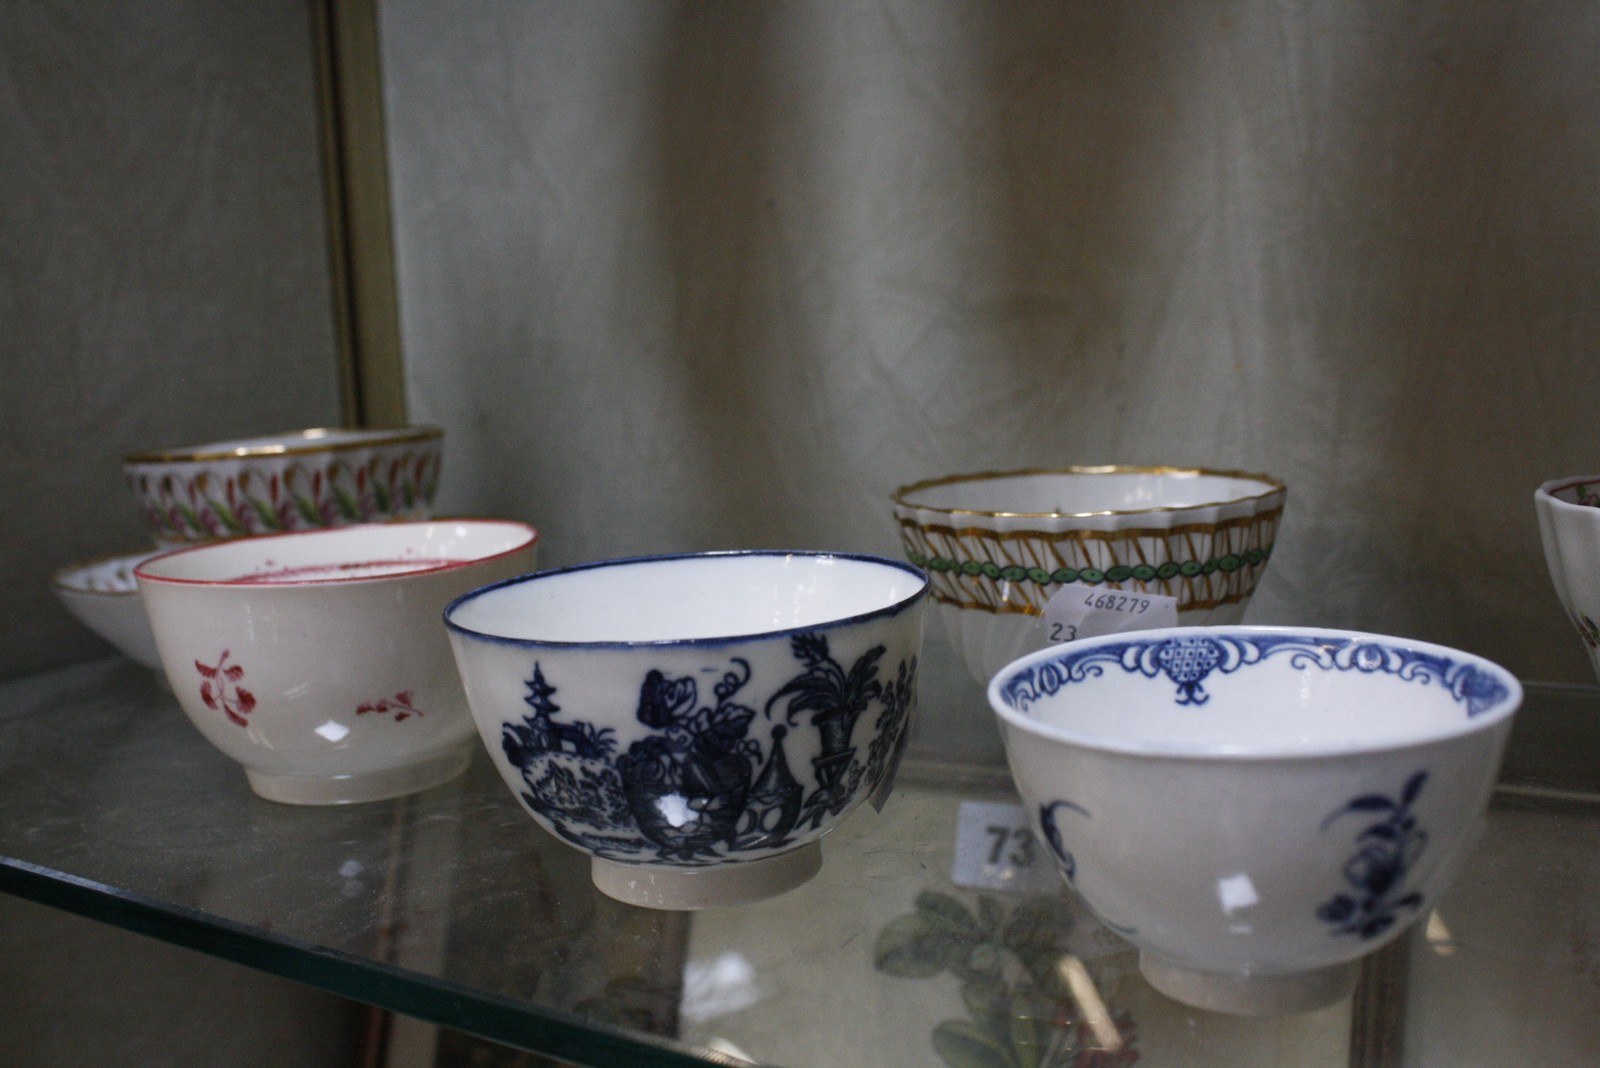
1189,661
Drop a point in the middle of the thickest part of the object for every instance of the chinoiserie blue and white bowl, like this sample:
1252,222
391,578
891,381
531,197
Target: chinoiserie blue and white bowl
1255,808
695,722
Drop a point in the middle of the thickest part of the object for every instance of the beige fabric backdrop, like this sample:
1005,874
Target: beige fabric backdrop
163,269
680,276
163,281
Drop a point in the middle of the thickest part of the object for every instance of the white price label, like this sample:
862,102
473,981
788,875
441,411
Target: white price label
1078,611
996,850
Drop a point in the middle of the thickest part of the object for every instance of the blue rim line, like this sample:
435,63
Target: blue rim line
1504,709
716,640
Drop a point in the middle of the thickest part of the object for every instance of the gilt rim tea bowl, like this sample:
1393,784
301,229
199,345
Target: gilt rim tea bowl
696,722
1569,527
300,480
1255,808
999,545
317,659
101,593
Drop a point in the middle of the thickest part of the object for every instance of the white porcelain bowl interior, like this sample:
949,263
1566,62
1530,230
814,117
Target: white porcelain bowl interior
1255,808
318,660
689,598
1084,492
347,554
695,723
102,595
294,441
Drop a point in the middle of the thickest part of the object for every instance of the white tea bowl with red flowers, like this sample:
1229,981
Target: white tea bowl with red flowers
998,546
695,723
102,595
1255,808
318,660
1569,525
301,480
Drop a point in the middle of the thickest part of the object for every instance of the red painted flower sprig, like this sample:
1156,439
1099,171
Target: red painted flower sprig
220,689
401,706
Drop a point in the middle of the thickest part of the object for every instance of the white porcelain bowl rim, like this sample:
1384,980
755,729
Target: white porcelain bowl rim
1549,490
69,576
1501,706
290,442
712,641
353,532
902,496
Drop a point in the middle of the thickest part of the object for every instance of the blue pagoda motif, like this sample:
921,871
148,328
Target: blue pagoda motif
698,787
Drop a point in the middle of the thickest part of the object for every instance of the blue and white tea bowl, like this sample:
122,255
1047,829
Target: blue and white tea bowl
1255,808
695,723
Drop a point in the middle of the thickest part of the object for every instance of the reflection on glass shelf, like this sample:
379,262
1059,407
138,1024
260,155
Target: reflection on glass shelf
907,949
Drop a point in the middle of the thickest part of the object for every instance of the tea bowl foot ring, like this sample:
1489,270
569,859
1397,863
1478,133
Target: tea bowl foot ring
370,786
1249,995
657,886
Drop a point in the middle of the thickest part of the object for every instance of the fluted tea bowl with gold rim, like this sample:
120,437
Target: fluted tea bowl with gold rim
999,545
300,480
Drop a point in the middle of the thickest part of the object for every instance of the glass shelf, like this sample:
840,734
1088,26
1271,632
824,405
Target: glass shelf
452,907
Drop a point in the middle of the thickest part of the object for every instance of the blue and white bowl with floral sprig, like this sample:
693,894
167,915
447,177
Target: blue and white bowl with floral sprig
1255,808
695,722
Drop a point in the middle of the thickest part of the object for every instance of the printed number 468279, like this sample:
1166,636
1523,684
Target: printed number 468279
1118,602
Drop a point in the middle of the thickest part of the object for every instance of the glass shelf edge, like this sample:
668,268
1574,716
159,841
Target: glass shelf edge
498,1019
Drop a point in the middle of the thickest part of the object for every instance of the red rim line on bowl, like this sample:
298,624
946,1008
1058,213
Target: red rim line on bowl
140,574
